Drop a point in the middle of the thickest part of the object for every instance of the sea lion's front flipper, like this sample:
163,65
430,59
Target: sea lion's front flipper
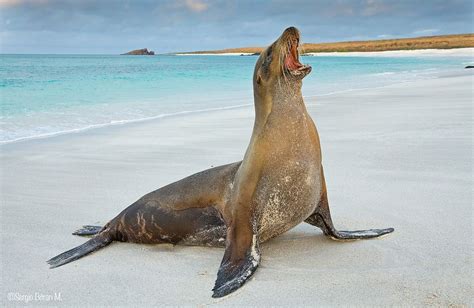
241,259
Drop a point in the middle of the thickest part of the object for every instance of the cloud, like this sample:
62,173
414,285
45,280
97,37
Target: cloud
196,5
10,3
384,36
339,9
115,26
375,7
425,32
5,3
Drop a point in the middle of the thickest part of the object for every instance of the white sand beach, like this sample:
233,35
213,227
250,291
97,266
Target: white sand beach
399,156
457,52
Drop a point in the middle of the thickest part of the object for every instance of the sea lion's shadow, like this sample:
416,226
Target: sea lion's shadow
287,243
296,243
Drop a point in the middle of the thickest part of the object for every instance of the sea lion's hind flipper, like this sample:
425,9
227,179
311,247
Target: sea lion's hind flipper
235,270
88,230
360,234
95,243
321,218
324,222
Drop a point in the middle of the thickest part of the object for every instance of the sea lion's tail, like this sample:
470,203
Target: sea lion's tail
97,242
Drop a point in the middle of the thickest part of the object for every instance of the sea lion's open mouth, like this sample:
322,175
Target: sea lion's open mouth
292,63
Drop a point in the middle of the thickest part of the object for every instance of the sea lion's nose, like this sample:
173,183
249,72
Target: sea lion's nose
292,31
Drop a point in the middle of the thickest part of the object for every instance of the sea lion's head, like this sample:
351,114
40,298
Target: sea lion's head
278,66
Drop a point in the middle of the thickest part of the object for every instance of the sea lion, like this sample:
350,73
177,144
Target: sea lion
278,184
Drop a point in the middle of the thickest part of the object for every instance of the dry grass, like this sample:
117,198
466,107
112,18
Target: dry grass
426,42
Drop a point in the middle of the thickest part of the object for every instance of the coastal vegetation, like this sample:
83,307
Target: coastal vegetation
425,42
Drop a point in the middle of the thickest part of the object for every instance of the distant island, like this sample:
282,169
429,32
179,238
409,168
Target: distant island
140,52
424,42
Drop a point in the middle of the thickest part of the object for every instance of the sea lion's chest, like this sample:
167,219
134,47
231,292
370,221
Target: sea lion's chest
290,182
286,198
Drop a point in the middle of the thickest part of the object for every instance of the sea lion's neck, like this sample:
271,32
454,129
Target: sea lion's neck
285,99
279,96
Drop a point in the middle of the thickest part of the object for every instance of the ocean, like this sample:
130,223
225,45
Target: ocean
46,95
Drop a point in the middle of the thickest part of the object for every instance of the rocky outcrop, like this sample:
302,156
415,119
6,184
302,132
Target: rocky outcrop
250,54
140,52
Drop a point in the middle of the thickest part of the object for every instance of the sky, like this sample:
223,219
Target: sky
117,26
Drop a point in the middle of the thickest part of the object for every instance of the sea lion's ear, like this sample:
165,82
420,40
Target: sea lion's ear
259,79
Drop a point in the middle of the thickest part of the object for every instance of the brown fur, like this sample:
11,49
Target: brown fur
278,184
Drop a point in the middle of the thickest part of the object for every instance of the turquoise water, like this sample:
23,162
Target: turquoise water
44,95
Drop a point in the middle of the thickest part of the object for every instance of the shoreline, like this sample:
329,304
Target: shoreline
177,114
398,156
118,123
463,51
441,74
458,52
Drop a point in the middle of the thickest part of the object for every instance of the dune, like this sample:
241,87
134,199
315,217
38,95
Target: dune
438,42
